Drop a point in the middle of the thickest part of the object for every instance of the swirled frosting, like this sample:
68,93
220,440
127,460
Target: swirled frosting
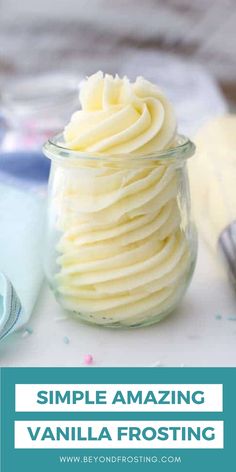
122,252
118,116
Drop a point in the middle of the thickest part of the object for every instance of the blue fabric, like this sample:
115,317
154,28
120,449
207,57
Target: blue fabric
21,223
24,169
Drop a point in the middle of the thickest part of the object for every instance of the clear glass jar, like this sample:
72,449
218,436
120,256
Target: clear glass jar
36,107
120,244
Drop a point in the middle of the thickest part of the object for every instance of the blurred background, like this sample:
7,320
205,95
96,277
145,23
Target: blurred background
82,36
187,47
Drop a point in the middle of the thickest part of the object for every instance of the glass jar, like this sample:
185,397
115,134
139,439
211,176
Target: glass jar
120,244
36,107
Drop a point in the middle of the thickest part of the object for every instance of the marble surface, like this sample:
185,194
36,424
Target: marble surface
200,333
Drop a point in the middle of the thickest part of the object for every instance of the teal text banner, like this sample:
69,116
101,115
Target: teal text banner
16,418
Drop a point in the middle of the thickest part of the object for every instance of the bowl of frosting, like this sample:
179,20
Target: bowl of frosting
120,242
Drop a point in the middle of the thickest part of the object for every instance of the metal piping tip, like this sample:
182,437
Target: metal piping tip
227,245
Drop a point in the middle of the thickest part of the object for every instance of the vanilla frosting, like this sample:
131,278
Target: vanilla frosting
122,252
118,116
212,177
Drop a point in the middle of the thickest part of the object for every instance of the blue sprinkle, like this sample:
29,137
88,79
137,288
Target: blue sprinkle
218,317
231,318
27,332
66,340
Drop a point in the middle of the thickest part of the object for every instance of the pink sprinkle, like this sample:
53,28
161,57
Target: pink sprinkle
88,359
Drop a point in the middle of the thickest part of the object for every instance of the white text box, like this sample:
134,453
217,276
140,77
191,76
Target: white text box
85,397
122,434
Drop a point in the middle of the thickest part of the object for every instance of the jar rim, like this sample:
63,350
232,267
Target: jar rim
54,150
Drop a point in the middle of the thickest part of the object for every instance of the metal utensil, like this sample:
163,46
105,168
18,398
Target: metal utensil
227,244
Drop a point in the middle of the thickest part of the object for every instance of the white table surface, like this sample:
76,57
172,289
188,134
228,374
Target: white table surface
192,336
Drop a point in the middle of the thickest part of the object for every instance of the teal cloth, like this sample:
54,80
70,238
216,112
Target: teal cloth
21,273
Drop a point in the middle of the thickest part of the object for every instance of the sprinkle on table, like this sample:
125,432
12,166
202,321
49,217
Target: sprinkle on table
157,364
66,340
27,331
218,317
88,359
62,317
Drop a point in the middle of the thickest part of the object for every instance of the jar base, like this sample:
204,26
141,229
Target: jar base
90,319
117,325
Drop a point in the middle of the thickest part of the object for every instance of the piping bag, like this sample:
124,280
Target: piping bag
23,177
213,187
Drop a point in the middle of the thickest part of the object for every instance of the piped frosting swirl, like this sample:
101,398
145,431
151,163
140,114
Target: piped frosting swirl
122,252
118,117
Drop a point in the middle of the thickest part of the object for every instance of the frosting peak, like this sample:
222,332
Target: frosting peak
118,116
